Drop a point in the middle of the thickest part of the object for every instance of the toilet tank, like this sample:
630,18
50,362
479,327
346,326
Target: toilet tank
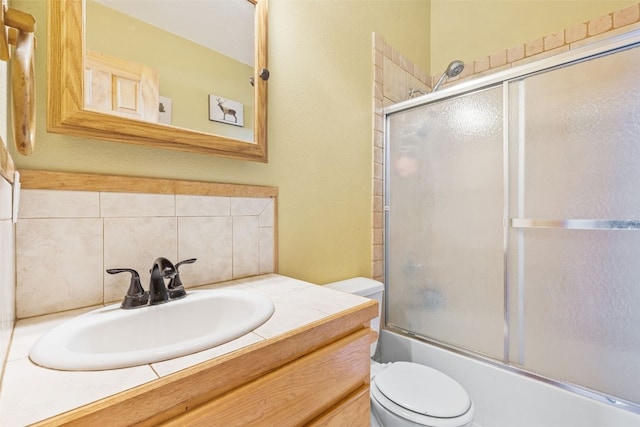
367,288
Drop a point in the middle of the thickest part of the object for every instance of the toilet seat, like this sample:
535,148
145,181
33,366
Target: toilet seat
422,395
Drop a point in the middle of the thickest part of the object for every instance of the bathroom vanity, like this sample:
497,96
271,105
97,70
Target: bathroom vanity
307,365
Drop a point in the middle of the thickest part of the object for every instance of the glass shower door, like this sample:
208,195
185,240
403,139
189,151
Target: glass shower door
513,223
445,239
575,206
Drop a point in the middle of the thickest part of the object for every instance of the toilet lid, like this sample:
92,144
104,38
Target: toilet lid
423,390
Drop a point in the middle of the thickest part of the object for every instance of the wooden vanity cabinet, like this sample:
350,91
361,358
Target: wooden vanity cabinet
316,375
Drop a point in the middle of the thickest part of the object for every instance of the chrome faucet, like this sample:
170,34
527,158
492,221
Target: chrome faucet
161,268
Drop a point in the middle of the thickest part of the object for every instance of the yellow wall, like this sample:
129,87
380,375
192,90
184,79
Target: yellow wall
319,130
471,29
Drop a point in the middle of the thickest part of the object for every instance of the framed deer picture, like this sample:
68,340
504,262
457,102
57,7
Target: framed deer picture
226,111
164,110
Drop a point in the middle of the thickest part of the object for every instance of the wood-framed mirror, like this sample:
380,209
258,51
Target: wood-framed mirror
67,112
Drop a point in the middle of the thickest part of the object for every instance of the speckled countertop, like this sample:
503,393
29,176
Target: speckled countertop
31,393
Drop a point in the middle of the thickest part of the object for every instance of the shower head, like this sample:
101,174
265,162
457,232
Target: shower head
453,69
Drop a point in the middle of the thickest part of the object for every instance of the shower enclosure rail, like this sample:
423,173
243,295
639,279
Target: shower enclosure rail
576,224
509,219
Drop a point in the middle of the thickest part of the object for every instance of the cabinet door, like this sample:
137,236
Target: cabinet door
120,87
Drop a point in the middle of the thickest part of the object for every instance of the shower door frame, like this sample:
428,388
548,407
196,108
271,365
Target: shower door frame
585,53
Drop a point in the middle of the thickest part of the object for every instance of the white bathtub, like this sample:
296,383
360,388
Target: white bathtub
507,399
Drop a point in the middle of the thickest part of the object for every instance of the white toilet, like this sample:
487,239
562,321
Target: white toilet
407,393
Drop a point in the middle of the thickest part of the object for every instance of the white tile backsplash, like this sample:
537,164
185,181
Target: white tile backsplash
67,239
209,239
7,234
7,286
138,205
5,199
59,204
58,264
135,243
267,216
246,246
246,206
266,249
202,205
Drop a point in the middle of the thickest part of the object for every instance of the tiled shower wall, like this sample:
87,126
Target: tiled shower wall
396,75
65,240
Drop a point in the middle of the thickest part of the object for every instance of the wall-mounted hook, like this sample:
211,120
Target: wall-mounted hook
23,93
16,21
20,20
22,27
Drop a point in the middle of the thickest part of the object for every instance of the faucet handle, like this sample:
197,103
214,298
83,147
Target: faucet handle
136,295
176,289
186,261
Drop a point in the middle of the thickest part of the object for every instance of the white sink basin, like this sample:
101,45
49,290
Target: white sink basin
110,337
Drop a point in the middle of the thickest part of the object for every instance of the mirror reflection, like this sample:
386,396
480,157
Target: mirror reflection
173,63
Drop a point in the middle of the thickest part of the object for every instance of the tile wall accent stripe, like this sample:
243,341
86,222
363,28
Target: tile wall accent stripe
49,180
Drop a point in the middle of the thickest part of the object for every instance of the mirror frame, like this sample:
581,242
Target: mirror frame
65,95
